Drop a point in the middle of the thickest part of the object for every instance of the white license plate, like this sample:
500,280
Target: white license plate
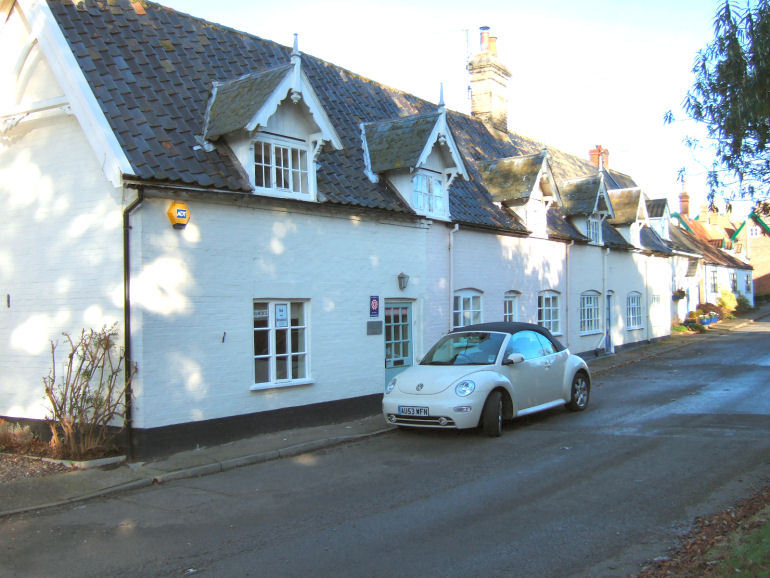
412,410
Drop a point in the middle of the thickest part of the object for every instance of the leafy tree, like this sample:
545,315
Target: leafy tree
731,96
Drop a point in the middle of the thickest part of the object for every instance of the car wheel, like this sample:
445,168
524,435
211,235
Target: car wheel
492,415
581,392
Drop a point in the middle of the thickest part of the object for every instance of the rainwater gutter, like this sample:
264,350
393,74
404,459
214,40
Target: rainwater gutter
127,321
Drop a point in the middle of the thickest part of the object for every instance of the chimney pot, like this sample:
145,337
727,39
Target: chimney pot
484,38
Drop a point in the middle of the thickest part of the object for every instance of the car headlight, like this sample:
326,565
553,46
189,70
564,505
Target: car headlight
465,388
390,386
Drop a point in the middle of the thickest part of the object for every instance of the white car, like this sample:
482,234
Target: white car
479,375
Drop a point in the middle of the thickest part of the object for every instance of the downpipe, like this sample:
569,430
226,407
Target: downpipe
127,321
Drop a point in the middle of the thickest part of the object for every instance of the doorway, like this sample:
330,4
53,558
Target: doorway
398,338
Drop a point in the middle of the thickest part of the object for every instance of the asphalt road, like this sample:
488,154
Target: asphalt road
559,494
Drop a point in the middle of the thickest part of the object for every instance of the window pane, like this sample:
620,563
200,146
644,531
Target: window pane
261,370
297,340
298,370
281,368
262,164
261,315
280,341
261,343
297,314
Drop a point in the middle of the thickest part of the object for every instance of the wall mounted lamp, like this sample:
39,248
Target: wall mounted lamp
403,281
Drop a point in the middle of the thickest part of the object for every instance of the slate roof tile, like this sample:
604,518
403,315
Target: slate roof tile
612,238
651,241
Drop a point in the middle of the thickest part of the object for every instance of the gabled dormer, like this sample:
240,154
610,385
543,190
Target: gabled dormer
659,216
586,203
418,156
631,215
275,125
524,185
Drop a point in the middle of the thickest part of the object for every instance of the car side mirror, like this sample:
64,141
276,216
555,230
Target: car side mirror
513,358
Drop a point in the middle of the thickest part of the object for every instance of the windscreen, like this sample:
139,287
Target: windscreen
477,348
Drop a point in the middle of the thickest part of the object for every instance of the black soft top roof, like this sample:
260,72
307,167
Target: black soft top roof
511,327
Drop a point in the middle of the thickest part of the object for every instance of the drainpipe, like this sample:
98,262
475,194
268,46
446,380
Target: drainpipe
452,272
567,296
647,293
127,319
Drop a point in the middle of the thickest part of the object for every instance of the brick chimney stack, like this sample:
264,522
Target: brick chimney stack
684,202
600,157
489,84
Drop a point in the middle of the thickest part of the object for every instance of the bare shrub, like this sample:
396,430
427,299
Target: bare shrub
88,402
12,434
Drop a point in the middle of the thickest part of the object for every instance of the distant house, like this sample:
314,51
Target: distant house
277,236
720,267
752,240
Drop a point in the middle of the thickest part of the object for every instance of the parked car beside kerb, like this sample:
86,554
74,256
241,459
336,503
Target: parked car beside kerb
480,375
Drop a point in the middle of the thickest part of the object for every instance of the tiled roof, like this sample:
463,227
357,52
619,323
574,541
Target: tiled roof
511,180
613,239
580,196
656,208
626,204
616,180
398,143
560,228
235,102
651,241
682,238
152,74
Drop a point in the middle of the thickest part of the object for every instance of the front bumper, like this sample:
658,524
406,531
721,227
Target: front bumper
458,413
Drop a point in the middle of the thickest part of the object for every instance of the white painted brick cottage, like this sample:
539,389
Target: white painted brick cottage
334,226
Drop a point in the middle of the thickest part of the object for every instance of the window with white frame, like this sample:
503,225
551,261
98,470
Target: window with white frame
713,281
590,317
467,308
748,284
594,230
734,282
548,311
511,306
281,166
280,343
429,194
755,231
634,310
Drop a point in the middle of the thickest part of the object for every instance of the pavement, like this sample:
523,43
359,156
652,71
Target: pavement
100,479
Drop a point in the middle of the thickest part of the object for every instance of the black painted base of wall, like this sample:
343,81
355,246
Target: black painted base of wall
161,441
155,442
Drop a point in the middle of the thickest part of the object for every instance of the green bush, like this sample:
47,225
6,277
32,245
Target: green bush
743,304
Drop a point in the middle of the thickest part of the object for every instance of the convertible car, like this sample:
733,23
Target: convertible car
480,375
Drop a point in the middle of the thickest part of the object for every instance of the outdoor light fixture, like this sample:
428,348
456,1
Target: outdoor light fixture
403,281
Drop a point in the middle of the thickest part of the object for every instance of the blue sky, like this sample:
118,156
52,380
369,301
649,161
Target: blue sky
584,73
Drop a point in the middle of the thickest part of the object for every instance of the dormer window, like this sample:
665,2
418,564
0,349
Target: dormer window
281,164
274,123
417,156
429,194
594,230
